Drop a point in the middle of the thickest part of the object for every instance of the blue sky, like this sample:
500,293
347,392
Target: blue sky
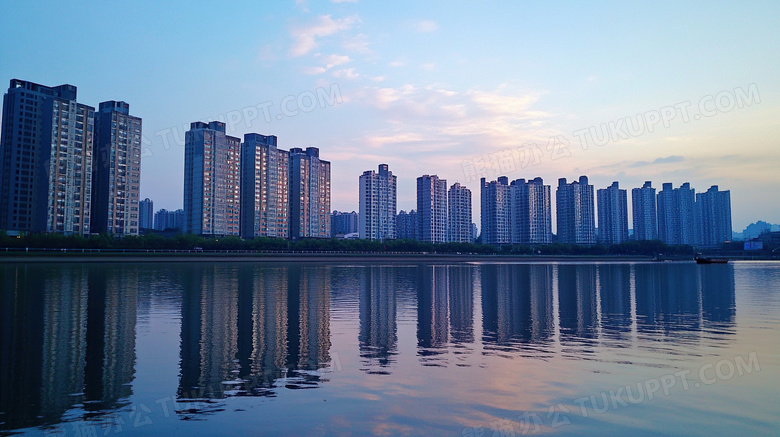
458,89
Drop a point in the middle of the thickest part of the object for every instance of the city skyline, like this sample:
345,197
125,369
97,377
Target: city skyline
417,103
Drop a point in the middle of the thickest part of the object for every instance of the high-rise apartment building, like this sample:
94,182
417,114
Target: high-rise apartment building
675,214
613,214
713,217
530,215
377,204
146,214
343,223
45,159
645,218
432,209
459,214
406,225
211,180
168,220
265,205
494,211
309,194
574,208
116,170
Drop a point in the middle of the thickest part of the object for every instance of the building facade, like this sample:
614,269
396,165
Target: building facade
46,152
377,204
713,217
406,225
530,215
146,214
432,209
494,211
343,223
459,214
645,217
675,214
265,205
574,206
309,194
116,170
168,220
211,180
613,214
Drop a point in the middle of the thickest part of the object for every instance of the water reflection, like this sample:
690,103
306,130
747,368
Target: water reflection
68,332
378,330
67,340
517,308
244,329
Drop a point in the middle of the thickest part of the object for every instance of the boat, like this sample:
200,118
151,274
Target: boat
700,259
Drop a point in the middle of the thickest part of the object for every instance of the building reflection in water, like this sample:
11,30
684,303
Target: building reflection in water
615,301
517,309
577,308
378,332
67,338
432,313
110,354
668,302
67,332
246,329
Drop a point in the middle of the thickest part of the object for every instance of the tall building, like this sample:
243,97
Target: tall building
432,209
675,214
494,211
211,180
377,201
713,217
309,194
644,210
168,220
406,225
613,214
530,212
45,159
343,223
146,214
265,205
575,210
116,170
459,214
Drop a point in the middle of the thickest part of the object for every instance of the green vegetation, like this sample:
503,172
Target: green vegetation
189,242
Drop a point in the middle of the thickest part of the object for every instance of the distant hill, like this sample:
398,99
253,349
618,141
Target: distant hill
753,230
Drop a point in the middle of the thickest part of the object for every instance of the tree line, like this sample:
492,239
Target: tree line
153,241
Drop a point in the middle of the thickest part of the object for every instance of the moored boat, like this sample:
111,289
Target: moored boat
707,260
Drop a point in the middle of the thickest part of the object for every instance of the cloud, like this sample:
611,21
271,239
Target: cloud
305,37
428,66
425,26
334,60
667,160
343,1
396,64
356,43
346,73
314,70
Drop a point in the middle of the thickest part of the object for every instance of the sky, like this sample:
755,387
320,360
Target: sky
618,91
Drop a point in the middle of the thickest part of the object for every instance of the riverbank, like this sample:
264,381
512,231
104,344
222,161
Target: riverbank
73,256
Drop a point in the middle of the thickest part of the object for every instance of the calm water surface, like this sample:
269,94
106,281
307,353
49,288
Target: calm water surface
465,349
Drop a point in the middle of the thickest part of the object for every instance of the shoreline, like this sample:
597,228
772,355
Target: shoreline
70,257
74,256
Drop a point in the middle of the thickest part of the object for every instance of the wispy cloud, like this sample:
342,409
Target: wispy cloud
425,26
305,36
346,73
666,160
356,43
